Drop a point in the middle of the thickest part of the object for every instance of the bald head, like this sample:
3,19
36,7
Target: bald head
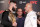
28,7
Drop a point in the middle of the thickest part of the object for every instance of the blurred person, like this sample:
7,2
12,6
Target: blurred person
8,17
31,18
38,20
20,19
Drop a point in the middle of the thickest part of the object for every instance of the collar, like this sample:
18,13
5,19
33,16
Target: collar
31,12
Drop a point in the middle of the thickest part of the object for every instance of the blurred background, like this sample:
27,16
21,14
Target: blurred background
20,4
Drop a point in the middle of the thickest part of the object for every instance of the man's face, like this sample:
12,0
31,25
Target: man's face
13,5
27,7
19,12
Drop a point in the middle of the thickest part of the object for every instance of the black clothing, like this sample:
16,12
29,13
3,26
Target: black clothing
5,20
38,17
20,22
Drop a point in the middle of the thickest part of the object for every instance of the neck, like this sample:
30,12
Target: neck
19,16
29,10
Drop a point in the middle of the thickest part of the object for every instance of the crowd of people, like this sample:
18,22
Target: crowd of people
16,17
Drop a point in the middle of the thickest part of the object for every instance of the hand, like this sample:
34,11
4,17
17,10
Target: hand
14,24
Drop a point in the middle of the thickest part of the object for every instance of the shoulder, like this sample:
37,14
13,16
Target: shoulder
33,13
5,12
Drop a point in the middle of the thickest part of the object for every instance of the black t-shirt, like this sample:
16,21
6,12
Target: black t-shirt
20,22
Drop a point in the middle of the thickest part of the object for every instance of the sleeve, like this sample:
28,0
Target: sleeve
4,19
33,19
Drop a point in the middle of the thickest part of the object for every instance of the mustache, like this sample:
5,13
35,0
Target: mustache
13,9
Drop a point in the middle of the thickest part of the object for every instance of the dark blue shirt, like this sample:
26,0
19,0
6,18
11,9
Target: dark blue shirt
20,22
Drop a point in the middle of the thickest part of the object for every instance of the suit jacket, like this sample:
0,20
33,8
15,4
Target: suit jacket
5,20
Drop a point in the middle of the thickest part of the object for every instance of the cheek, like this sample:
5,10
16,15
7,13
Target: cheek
19,12
15,7
26,9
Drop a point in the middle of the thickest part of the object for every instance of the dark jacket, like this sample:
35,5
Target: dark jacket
20,22
5,20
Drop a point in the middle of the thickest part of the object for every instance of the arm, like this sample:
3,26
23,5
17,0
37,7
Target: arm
38,22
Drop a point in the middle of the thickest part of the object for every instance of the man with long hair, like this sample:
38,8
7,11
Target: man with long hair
8,17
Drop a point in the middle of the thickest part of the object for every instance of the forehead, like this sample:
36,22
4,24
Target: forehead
13,3
19,9
28,4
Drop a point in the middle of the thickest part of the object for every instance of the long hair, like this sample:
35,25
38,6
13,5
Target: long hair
11,16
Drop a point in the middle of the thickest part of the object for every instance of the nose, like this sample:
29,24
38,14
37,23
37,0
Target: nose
15,6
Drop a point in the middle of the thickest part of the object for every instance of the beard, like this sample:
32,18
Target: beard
13,9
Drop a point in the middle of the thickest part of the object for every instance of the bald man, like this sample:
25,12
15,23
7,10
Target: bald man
31,18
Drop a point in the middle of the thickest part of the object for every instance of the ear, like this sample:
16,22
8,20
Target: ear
9,2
